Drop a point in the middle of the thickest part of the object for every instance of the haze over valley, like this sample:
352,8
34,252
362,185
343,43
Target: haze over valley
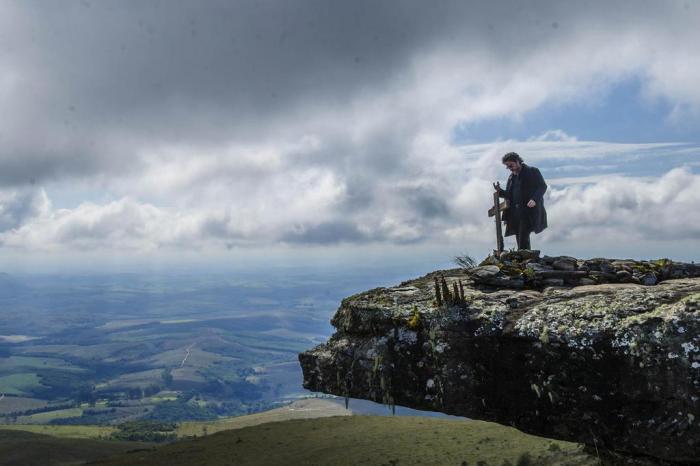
106,348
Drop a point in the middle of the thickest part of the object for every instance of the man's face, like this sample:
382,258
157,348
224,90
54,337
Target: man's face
513,166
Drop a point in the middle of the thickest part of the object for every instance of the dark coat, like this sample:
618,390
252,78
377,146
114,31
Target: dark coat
532,186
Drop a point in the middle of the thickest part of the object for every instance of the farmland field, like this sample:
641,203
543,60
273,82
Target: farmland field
12,404
19,384
62,431
104,349
48,416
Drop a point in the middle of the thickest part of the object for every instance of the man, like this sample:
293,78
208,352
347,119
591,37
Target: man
525,192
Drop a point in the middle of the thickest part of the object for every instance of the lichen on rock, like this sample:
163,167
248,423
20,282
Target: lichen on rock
612,364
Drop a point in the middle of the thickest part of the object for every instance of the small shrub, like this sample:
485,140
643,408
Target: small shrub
524,460
465,261
414,321
438,296
146,431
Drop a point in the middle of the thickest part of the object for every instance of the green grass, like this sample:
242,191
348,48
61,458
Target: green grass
140,379
300,436
97,404
76,432
28,363
287,435
164,395
26,448
301,409
370,440
19,384
12,404
197,358
48,416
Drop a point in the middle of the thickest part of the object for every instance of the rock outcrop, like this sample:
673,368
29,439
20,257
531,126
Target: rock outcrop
613,365
526,269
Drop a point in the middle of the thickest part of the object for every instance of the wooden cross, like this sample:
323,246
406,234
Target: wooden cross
495,211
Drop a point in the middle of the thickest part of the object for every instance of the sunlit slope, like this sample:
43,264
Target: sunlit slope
300,409
352,440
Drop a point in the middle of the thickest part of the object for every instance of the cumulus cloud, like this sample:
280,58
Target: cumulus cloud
440,204
104,84
217,124
628,209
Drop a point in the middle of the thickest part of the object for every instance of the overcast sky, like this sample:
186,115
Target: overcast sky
267,131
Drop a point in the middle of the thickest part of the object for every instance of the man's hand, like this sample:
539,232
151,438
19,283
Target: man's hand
531,203
497,186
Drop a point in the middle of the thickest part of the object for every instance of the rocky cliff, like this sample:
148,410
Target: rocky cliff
602,352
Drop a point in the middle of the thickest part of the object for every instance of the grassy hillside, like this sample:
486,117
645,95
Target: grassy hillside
290,435
27,449
351,440
301,409
69,431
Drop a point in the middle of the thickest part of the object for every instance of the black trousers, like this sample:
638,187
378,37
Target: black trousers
522,228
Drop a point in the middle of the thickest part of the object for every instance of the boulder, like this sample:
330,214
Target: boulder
600,265
537,267
521,255
485,272
648,279
564,263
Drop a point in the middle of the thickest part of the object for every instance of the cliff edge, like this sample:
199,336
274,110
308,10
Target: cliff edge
603,352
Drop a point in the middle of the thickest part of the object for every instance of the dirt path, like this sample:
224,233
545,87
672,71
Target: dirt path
189,348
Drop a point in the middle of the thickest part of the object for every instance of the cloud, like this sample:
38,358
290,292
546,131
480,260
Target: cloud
218,124
123,224
18,207
105,85
440,204
628,209
553,135
326,233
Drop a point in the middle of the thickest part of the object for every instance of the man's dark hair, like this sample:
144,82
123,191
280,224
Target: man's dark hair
511,157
